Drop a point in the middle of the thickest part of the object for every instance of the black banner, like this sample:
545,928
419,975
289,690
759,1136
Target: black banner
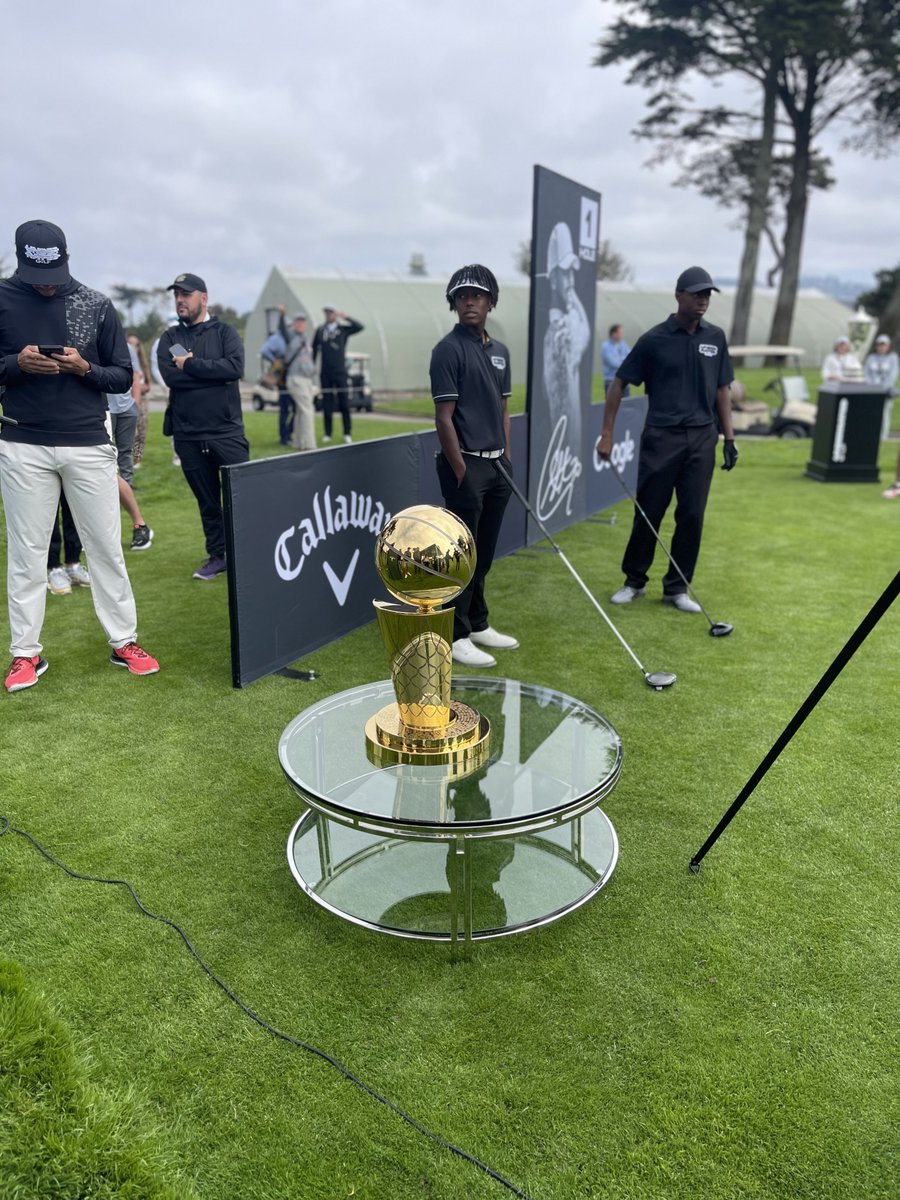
603,489
565,227
302,546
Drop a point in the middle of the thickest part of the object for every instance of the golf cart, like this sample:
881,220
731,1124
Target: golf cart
795,416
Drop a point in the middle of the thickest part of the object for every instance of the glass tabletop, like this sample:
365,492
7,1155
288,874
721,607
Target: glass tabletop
551,759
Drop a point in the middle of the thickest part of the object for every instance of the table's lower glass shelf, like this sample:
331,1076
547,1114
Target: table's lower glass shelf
416,889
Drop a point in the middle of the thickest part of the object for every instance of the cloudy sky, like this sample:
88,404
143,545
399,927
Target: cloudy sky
229,137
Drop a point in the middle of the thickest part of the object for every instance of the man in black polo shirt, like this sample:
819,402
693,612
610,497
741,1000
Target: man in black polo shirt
685,368
470,386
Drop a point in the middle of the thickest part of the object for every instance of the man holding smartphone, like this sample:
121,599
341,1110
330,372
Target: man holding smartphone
201,360
62,349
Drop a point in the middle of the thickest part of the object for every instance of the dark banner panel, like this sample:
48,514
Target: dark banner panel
603,488
565,227
302,546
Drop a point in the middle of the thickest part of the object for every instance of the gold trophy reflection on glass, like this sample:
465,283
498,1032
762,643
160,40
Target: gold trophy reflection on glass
425,556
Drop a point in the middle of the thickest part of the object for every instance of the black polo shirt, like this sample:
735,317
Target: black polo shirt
475,373
680,371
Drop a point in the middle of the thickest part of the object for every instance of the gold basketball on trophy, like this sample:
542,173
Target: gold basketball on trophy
425,556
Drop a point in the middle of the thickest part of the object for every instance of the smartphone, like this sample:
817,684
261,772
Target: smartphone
178,350
48,350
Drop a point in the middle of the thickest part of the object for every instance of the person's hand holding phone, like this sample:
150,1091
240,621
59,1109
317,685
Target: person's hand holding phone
180,355
34,360
71,362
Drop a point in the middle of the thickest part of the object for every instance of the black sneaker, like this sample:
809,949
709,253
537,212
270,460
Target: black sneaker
141,537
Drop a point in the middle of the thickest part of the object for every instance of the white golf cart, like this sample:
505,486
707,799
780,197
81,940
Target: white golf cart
795,416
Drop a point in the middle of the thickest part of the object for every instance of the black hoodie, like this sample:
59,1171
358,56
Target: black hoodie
63,409
205,397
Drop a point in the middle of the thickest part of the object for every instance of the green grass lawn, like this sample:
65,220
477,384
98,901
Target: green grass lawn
732,1034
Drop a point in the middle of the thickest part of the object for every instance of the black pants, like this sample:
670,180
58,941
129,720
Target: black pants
479,502
200,462
335,392
69,541
678,461
286,410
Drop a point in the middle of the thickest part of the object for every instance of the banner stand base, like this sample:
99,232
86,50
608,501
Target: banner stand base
290,673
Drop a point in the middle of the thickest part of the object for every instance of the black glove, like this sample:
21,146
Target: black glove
729,454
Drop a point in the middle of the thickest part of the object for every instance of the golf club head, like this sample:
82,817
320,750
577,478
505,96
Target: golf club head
660,679
720,629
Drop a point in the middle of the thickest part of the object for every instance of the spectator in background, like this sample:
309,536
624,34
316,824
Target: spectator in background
301,370
205,406
64,574
842,365
124,414
882,368
613,353
272,352
331,342
157,378
142,399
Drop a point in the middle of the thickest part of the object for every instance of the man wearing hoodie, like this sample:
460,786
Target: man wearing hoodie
62,349
201,360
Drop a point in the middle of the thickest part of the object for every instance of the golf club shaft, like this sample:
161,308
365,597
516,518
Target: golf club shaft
575,574
655,532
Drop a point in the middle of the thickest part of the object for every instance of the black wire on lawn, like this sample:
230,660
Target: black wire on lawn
6,826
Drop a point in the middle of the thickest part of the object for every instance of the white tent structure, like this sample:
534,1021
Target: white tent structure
404,316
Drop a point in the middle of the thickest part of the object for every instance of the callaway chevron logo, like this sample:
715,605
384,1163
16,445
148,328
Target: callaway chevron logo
331,515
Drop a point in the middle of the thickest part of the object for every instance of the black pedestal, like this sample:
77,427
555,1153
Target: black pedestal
849,426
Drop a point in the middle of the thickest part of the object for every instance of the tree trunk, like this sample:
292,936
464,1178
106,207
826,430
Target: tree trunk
757,211
795,227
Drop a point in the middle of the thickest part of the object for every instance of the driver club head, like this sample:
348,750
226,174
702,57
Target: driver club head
660,679
720,629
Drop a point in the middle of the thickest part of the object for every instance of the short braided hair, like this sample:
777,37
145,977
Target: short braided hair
476,276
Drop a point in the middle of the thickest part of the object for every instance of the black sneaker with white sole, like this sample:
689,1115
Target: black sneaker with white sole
141,537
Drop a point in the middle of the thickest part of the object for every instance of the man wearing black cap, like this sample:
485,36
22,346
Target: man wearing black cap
331,342
61,350
687,374
470,386
201,360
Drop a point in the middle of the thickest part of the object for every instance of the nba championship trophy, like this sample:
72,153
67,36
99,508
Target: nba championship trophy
425,557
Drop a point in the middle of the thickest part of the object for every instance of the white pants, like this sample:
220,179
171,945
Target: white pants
303,392
30,478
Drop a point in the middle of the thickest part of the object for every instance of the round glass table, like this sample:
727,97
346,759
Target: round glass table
409,851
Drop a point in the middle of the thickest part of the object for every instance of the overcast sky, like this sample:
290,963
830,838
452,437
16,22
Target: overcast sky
229,137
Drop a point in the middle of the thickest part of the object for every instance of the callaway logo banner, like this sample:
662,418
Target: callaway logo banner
565,228
302,547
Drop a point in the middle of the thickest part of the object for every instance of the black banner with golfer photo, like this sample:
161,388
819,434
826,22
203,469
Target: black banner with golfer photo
564,238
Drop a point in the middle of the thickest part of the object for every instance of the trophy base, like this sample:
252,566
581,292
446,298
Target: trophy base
463,744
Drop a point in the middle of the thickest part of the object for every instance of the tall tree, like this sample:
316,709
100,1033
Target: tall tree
814,61
128,297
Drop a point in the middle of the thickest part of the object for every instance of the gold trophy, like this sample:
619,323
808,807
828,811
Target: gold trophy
425,556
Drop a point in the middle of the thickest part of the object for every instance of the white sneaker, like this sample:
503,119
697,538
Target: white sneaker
58,582
325,440
465,652
79,575
892,493
347,439
626,594
493,639
683,602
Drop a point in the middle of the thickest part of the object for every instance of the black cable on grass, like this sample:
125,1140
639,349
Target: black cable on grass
6,826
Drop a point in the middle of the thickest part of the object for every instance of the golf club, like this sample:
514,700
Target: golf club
654,679
716,628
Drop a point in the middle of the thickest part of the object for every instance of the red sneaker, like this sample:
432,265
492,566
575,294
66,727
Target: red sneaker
24,672
138,661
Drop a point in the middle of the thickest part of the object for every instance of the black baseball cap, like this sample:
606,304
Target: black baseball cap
695,279
42,255
186,282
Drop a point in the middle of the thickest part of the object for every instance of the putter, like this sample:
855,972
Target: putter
716,628
654,679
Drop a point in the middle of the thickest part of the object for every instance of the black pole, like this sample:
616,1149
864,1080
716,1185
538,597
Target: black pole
856,639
